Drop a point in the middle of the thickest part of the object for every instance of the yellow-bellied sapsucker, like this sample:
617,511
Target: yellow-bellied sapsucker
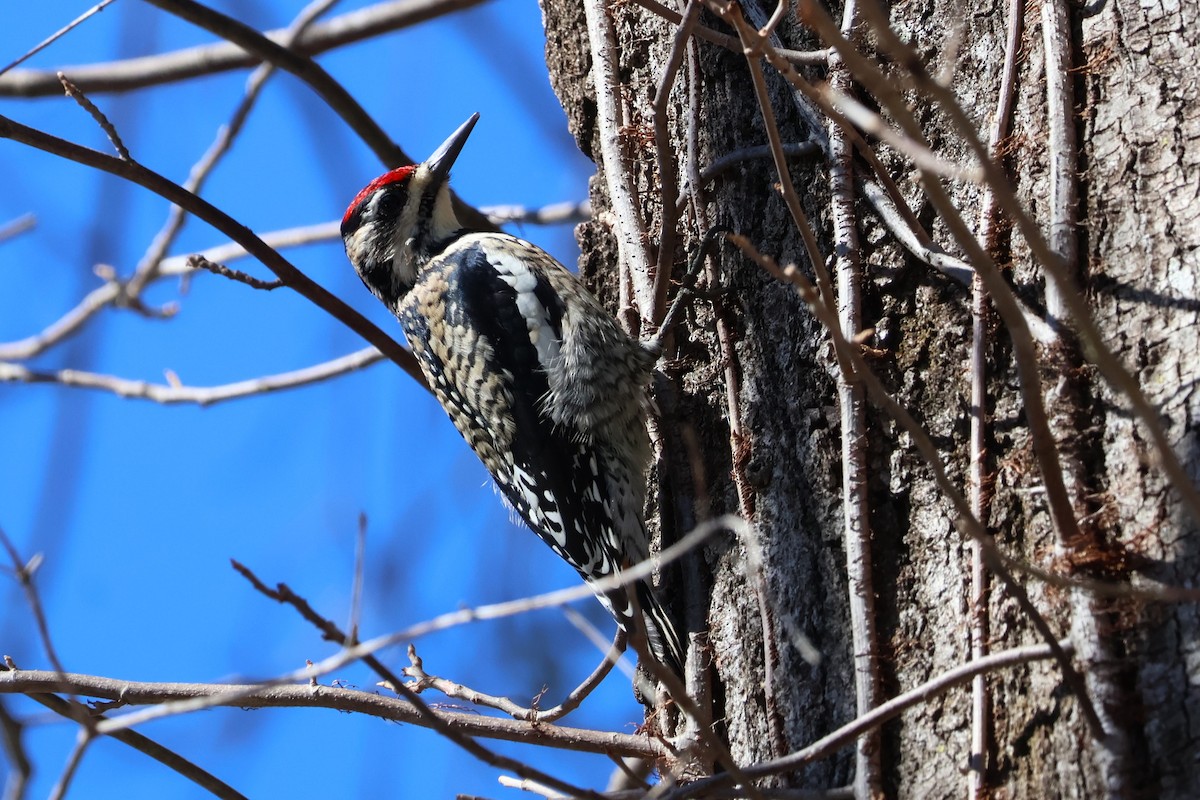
538,378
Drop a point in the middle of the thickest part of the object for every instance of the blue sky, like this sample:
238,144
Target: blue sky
137,508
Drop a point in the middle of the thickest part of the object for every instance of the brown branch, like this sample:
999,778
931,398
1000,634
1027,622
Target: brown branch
150,262
24,571
109,129
54,37
18,226
566,213
850,732
422,680
170,393
83,715
303,695
429,717
83,738
451,619
11,733
668,170
113,293
136,73
754,45
1101,354
981,477
303,67
730,43
200,262
966,521
293,277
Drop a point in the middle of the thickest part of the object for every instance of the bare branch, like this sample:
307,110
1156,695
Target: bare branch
83,738
848,733
568,213
169,393
18,226
429,717
135,693
200,262
293,277
24,571
143,744
11,731
109,129
422,680
148,267
981,476
135,73
631,235
303,67
359,651
665,158
730,42
61,32
856,506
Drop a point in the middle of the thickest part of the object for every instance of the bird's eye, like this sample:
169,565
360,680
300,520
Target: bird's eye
388,204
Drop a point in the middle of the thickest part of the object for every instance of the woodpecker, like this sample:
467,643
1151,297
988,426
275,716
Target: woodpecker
541,381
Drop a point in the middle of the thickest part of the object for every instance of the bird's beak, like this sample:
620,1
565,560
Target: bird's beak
442,160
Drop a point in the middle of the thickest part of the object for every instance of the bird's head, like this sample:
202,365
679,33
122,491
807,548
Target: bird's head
402,218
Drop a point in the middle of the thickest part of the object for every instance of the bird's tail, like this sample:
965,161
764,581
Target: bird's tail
661,634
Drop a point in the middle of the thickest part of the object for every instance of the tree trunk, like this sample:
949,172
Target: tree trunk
766,422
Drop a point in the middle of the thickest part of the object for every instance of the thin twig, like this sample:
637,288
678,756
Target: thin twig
143,744
109,129
302,695
113,293
201,208
24,571
422,680
192,62
226,135
566,213
11,735
18,226
665,158
356,586
170,393
61,32
348,655
730,160
611,119
730,43
981,478
1102,355
200,262
847,734
83,738
303,67
753,44
856,505
1091,621
429,718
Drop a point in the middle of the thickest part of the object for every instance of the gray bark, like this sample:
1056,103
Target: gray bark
1138,125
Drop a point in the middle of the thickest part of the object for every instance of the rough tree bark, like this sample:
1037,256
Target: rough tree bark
775,455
